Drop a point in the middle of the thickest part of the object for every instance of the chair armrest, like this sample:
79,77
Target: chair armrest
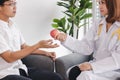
39,61
63,63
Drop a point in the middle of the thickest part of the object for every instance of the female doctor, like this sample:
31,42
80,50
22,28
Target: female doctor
103,40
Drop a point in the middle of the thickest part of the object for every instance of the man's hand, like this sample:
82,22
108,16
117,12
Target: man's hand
47,44
52,55
86,66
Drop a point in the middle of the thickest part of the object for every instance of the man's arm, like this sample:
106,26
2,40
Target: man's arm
41,52
11,56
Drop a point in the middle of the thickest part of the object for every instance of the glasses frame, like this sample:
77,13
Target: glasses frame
11,4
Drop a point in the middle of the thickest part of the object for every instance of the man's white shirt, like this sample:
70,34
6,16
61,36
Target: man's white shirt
10,39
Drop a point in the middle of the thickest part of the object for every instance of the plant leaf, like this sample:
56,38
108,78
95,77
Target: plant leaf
55,26
86,16
56,20
63,4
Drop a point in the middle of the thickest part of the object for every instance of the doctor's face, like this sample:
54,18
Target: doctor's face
103,8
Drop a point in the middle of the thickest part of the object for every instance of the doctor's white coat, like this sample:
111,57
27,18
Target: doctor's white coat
105,47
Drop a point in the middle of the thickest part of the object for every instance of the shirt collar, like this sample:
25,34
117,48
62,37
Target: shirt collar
8,24
103,21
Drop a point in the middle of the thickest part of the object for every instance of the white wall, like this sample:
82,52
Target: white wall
34,18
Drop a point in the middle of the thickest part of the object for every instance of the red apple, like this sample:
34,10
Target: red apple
54,32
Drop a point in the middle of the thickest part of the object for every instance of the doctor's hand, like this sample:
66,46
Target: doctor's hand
60,36
86,66
47,44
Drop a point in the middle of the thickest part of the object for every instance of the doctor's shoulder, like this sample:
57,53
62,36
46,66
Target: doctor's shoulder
98,24
118,23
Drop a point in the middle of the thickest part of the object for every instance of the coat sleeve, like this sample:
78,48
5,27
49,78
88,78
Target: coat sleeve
84,46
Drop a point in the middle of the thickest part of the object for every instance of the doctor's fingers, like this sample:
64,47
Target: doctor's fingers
85,66
61,37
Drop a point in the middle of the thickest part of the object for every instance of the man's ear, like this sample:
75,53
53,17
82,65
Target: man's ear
0,8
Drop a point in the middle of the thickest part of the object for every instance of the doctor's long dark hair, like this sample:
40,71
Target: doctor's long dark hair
113,7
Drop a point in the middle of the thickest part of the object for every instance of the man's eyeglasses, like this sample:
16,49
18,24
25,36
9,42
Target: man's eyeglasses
10,4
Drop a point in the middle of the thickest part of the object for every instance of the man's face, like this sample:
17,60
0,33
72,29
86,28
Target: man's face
8,9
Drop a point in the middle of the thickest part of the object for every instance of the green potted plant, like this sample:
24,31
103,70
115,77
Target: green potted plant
76,11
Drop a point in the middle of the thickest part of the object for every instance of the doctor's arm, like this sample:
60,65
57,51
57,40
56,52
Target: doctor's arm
84,46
